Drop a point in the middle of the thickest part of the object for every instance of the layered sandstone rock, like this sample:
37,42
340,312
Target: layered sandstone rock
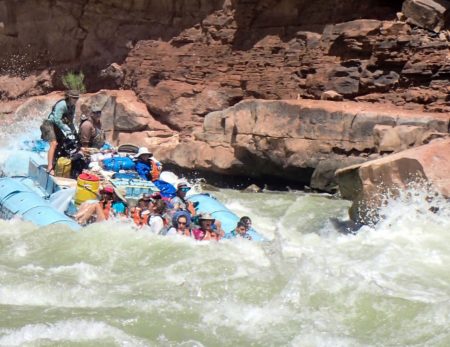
371,183
124,118
285,138
214,65
14,87
304,141
72,31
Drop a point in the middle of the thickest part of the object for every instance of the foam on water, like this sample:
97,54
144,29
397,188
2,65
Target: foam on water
13,160
68,331
111,284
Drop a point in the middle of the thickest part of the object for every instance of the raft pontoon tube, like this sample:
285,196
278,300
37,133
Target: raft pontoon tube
208,204
17,199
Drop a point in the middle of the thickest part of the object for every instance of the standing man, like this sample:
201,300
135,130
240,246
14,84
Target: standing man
91,134
58,129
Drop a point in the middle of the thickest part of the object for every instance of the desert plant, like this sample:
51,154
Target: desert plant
74,81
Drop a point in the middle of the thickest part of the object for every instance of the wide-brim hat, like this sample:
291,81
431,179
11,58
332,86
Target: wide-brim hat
183,185
145,197
107,189
142,151
75,94
156,195
120,192
206,216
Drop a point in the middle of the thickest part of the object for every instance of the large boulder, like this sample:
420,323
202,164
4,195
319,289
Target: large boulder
428,14
123,115
370,183
13,87
124,118
36,108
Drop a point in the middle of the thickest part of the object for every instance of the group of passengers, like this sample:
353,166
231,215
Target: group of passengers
159,215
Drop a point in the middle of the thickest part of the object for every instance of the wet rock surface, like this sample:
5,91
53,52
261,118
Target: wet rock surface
371,183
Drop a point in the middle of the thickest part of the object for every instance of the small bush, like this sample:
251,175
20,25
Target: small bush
74,81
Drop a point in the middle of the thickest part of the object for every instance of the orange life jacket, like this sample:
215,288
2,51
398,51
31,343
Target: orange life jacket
139,217
156,170
106,208
190,207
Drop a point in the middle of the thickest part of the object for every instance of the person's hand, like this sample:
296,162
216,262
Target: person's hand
51,172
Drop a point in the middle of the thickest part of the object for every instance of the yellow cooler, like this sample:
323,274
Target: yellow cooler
87,188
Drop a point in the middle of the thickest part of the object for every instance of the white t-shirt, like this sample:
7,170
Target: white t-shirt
172,231
156,224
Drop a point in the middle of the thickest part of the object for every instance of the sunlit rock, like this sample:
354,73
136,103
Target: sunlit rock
369,184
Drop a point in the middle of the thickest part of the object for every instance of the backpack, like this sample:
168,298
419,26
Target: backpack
118,163
166,189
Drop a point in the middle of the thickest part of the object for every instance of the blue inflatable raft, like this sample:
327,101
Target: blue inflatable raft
18,199
29,198
208,204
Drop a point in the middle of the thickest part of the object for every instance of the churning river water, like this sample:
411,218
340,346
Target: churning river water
307,285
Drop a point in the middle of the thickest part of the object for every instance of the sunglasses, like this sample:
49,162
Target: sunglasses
181,223
185,189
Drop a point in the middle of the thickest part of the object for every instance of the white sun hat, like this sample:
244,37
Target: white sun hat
142,151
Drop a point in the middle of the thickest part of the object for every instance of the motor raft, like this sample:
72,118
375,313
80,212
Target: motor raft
30,198
18,199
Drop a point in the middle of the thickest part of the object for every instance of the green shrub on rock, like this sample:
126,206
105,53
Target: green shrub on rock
74,81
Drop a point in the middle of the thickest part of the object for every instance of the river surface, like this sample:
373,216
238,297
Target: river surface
307,285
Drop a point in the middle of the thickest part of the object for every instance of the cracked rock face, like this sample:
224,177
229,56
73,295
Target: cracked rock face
73,31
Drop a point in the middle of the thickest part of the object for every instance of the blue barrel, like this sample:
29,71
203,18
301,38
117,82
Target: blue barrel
209,204
16,199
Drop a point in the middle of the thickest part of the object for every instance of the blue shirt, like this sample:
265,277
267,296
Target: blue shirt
118,207
56,116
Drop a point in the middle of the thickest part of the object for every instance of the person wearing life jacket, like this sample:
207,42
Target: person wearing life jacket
112,204
181,222
156,221
58,129
241,231
105,203
179,202
96,211
141,213
206,231
147,167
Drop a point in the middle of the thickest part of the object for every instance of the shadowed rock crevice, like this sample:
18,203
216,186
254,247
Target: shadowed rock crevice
286,17
83,32
241,181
